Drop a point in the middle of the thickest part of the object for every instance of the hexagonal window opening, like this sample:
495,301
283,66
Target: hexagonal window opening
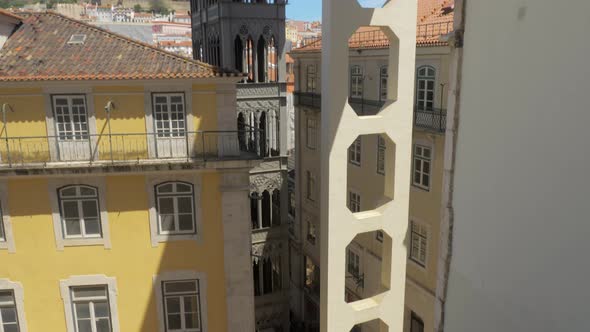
373,69
367,268
370,172
372,3
375,325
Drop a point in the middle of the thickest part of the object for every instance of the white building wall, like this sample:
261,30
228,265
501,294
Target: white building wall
521,190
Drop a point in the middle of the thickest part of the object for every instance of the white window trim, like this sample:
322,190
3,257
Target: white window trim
49,93
19,300
428,234
180,275
429,145
149,107
151,182
8,243
356,151
60,240
89,280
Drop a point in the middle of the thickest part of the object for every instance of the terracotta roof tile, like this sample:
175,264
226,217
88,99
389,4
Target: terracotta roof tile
39,51
435,19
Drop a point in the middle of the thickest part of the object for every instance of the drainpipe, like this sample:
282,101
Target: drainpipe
453,118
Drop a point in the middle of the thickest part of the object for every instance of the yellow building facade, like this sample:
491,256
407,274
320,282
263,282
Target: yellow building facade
122,190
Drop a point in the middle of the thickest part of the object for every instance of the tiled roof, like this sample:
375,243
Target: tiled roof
435,19
39,51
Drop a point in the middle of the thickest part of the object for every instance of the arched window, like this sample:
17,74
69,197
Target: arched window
425,78
272,70
276,207
262,126
175,208
262,58
249,59
242,132
239,54
383,83
79,212
356,81
266,210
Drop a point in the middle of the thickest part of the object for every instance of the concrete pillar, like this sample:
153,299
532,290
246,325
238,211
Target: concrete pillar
340,126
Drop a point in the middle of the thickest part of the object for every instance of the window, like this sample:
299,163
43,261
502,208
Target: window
354,152
356,82
425,88
77,39
71,119
354,201
90,303
416,323
311,78
310,186
311,133
380,155
353,266
267,275
79,212
182,307
8,312
175,208
383,75
418,243
169,116
311,231
90,307
265,209
422,163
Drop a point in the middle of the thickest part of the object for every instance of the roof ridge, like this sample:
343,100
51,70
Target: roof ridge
10,14
136,42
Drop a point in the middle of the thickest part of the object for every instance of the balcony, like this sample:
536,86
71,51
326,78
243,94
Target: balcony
434,119
80,150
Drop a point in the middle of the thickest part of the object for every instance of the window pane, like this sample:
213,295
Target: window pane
426,180
183,188
73,227
70,209
82,310
190,304
94,291
167,223
180,287
166,188
166,205
426,167
70,191
185,205
172,305
185,222
8,314
85,191
103,325
90,208
101,309
426,153
174,322
10,327
192,321
6,296
84,326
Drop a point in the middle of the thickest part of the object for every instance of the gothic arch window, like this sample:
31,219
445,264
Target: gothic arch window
262,126
249,58
262,50
272,62
239,54
242,132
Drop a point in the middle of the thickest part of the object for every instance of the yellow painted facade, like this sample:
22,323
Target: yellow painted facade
132,259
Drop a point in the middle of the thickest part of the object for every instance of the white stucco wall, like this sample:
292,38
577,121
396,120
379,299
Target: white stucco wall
520,257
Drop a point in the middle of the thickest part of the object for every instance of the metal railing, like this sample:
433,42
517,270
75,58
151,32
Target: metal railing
433,30
130,147
430,118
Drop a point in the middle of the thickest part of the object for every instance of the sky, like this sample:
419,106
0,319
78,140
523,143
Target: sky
311,10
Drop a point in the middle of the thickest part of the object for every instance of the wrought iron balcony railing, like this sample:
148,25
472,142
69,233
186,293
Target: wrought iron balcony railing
71,150
434,119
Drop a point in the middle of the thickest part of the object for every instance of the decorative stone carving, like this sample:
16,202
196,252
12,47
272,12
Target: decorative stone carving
269,181
257,105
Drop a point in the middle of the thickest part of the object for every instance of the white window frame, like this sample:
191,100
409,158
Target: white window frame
354,152
7,242
19,301
175,195
181,132
76,134
78,198
422,245
421,103
92,301
311,137
381,152
354,201
61,240
383,81
66,286
182,275
155,235
422,159
356,81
